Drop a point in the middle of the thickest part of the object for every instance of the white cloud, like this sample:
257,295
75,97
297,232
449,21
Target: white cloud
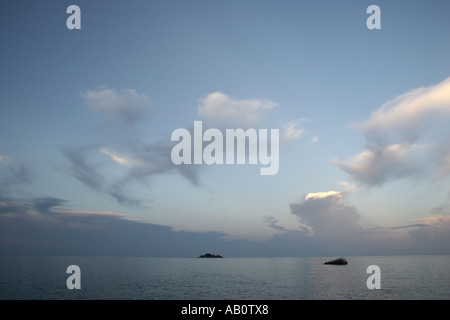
121,159
348,187
377,165
125,106
221,111
322,195
409,113
291,130
218,109
327,216
401,138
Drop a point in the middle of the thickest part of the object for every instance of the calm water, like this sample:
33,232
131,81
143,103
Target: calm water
402,277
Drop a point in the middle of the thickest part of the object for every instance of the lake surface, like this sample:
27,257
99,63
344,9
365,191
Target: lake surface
402,277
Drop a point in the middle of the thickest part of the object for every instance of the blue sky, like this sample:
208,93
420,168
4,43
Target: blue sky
86,118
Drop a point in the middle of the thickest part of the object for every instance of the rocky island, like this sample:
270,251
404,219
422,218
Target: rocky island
339,261
209,255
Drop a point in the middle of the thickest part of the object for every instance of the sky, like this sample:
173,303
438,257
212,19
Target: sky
87,115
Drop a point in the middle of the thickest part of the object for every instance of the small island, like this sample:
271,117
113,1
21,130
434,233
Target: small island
209,255
340,261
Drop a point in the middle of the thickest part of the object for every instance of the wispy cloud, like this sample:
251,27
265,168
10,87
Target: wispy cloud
139,163
121,159
83,170
292,130
139,160
13,174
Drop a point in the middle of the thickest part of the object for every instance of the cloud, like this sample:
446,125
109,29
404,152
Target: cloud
435,221
434,237
272,222
13,174
409,113
81,167
330,225
45,227
376,166
291,130
121,159
220,110
401,138
125,107
139,162
136,161
11,208
348,187
83,171
327,216
45,205
443,209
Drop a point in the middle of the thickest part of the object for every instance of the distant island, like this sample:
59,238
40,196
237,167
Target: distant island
340,261
209,255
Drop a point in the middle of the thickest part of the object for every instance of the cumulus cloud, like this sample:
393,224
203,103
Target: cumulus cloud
328,224
220,110
401,138
125,106
327,216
